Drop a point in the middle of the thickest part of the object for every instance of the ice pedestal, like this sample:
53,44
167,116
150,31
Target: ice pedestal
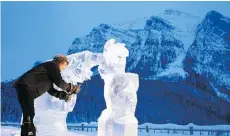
50,115
55,125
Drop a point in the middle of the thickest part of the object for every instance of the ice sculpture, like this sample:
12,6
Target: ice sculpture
119,92
120,89
50,112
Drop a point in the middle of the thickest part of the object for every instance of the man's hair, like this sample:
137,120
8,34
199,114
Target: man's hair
60,58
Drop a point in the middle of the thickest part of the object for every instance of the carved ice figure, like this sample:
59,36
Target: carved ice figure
120,89
50,112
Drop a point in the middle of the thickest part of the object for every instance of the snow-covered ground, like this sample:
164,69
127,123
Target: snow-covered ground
14,131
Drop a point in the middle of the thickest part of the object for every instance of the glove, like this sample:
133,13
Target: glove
62,95
68,97
74,89
65,96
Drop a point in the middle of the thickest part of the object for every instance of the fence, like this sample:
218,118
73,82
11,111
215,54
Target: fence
189,131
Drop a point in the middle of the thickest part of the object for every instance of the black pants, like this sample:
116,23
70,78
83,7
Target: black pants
26,100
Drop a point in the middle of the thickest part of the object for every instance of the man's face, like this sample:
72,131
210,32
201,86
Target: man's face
62,65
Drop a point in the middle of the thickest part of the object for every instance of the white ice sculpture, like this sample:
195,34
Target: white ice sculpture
50,112
120,89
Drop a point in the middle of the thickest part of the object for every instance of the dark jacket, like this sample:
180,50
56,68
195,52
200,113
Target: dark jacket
41,78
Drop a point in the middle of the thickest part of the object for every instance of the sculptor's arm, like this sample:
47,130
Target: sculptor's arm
58,94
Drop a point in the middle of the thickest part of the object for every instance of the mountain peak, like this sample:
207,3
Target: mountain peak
215,16
104,26
216,22
214,13
158,23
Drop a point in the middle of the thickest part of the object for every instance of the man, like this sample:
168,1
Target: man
36,82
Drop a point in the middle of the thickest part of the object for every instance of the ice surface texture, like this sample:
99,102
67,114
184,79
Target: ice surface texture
120,88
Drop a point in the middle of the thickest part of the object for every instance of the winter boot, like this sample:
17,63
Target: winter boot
28,128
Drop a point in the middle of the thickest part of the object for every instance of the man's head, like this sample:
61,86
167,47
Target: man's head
61,60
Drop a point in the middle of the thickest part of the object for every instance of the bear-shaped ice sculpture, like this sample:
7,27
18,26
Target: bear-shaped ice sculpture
50,112
120,89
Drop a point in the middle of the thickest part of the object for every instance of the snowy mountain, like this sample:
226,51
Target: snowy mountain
10,108
148,44
182,61
209,55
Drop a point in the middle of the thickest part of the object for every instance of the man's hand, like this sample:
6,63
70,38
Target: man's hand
65,96
68,97
74,89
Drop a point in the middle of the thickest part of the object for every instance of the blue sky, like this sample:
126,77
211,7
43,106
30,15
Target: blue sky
36,31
